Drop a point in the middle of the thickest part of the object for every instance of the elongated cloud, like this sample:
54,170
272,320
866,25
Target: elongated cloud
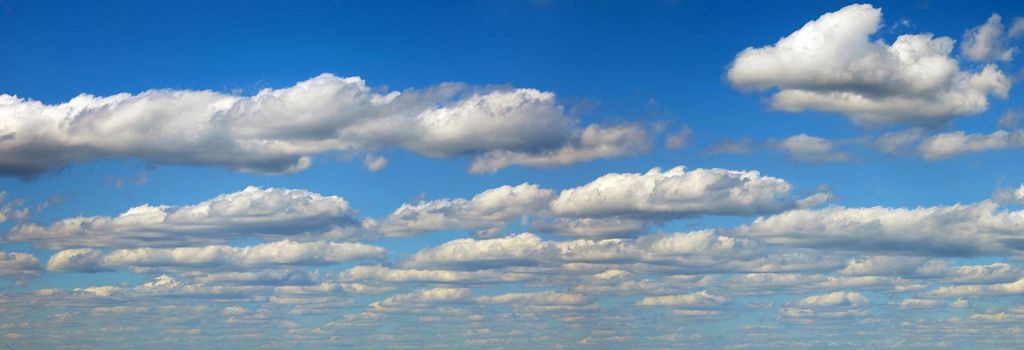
215,257
486,212
676,193
279,130
982,228
16,264
252,211
835,64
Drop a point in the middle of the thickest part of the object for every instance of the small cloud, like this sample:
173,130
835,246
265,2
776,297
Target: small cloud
374,163
678,139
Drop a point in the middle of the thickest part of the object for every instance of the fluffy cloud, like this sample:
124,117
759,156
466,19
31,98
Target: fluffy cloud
537,298
946,145
279,130
808,148
701,299
252,211
592,142
689,252
833,64
380,274
988,42
15,264
676,193
215,257
833,299
486,212
957,230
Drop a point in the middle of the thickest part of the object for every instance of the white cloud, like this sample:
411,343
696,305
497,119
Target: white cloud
17,264
535,298
592,142
278,130
1008,288
946,145
676,193
988,42
374,163
698,300
833,299
380,274
252,211
692,252
956,230
808,148
678,139
215,257
487,212
833,64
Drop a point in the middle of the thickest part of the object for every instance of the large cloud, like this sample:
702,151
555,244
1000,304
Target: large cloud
833,64
676,193
16,264
252,211
278,130
982,228
215,257
487,212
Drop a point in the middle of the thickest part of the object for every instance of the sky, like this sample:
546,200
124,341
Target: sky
511,175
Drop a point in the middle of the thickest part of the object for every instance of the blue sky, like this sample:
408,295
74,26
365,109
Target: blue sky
489,174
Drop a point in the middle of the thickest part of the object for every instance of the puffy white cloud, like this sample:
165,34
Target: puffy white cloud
420,298
252,211
278,130
536,298
956,230
696,252
808,148
487,212
946,145
988,42
698,300
833,64
215,257
676,193
996,289
592,142
833,299
374,163
380,274
17,264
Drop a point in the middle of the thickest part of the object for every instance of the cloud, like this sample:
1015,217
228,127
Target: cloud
808,148
381,274
536,298
699,300
988,42
676,193
833,299
678,139
252,211
279,130
592,142
741,146
982,228
215,257
947,145
487,212
833,64
374,163
18,265
684,252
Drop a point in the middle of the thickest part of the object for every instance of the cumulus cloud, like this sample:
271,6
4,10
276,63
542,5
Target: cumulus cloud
374,163
685,252
279,130
833,64
252,211
808,148
18,265
988,42
536,298
982,228
833,299
215,257
701,299
676,193
947,145
487,212
592,142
